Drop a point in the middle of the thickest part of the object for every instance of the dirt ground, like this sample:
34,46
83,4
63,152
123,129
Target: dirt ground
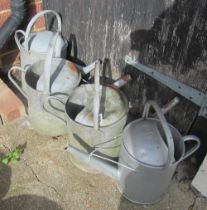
46,179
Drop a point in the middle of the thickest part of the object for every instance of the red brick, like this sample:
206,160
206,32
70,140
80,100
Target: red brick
11,107
4,4
8,55
40,23
3,16
34,9
40,29
34,1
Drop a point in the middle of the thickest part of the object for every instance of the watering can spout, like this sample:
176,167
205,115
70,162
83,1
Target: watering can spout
95,162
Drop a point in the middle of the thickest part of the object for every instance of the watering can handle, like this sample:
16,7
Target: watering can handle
19,45
48,63
13,81
96,105
49,98
194,148
166,129
34,19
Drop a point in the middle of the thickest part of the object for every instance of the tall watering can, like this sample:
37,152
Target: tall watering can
149,155
34,46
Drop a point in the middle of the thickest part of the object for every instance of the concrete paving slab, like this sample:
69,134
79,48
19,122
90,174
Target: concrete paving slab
46,179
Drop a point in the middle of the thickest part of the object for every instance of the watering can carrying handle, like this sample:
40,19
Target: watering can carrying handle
166,129
49,98
194,148
96,102
48,63
34,19
13,81
19,45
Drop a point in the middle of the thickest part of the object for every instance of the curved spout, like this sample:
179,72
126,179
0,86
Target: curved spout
95,162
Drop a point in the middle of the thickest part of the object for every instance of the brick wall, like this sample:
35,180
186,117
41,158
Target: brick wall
9,54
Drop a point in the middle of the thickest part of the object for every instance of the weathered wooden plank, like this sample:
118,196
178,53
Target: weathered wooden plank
199,128
200,180
165,34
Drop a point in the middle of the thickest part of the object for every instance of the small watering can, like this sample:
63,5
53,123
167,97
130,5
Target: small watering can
149,155
34,46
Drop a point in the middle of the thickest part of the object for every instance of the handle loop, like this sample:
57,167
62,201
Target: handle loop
96,101
194,148
34,19
14,82
164,124
18,40
48,63
49,98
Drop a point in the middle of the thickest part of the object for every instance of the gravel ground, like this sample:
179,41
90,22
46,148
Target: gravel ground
45,178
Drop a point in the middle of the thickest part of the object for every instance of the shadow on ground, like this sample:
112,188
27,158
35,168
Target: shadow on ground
5,175
21,202
28,202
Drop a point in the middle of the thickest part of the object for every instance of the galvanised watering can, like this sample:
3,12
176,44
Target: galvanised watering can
149,155
84,134
34,46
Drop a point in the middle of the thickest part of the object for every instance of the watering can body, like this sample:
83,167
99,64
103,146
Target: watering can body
38,44
145,184
148,183
146,165
39,110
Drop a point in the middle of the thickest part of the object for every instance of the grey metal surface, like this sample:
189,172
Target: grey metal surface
197,97
146,185
164,127
143,139
144,142
63,75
